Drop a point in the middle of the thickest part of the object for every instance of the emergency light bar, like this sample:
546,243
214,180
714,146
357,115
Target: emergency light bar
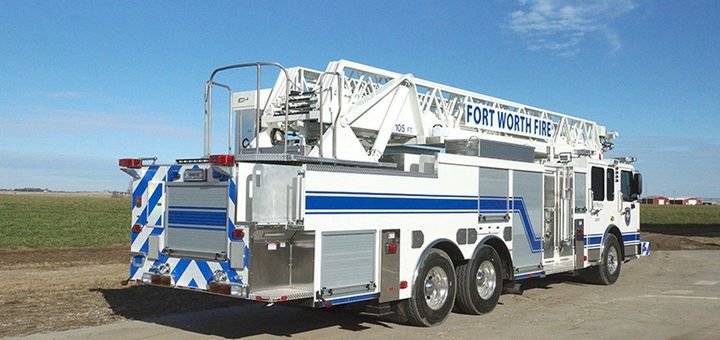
135,163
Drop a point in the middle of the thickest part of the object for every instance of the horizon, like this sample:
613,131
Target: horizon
86,85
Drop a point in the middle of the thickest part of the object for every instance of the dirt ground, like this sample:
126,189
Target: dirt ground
59,289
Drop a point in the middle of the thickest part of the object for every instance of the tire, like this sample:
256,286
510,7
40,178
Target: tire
434,290
608,271
479,282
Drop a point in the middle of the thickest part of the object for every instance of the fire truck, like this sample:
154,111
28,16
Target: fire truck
358,184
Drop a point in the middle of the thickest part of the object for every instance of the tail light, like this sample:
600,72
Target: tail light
132,163
222,159
138,201
219,288
238,233
137,228
403,284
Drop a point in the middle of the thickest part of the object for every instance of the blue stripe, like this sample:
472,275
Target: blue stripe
529,275
349,193
197,208
232,273
534,241
593,240
172,171
430,204
142,186
492,204
196,228
596,239
180,268
340,301
203,218
231,227
374,203
204,269
390,212
233,192
631,237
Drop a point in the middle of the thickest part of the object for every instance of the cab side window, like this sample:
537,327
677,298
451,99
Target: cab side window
626,180
597,183
610,184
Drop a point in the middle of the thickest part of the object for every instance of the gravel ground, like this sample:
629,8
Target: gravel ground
62,289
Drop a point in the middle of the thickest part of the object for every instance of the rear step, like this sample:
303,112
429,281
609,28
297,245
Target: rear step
281,295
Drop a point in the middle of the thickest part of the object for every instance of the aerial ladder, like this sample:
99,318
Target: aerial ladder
352,112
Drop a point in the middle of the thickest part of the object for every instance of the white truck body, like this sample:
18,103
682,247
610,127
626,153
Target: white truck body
337,194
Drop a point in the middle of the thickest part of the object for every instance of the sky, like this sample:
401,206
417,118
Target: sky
84,83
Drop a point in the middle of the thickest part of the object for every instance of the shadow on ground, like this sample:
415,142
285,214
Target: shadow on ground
232,318
229,317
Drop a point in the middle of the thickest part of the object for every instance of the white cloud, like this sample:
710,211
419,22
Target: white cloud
560,26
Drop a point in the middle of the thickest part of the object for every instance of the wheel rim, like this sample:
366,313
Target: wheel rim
612,260
436,288
486,279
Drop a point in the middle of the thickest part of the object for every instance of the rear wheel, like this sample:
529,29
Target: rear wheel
479,282
434,291
608,271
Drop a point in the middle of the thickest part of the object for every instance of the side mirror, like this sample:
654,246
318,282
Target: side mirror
637,184
634,197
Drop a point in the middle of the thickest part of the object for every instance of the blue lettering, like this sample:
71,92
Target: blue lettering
517,121
469,113
528,125
510,121
501,119
476,115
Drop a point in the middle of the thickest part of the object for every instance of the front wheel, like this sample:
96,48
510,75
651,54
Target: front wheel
608,271
433,294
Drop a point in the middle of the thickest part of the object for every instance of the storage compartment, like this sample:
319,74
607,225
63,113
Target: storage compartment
490,149
197,220
348,263
281,264
276,194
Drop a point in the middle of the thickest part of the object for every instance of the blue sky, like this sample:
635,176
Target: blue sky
85,83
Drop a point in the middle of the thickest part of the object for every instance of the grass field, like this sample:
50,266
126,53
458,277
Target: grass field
42,221
680,214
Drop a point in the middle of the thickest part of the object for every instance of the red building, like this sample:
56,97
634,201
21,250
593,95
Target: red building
687,201
659,200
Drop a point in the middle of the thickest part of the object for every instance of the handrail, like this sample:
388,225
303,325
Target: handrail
229,112
208,101
320,104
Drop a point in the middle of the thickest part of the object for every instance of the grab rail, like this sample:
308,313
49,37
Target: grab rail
320,104
208,102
